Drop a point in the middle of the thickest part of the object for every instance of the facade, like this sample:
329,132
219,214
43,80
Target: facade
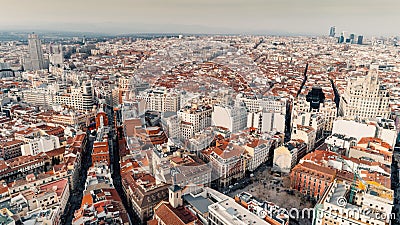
267,121
194,119
255,103
41,144
72,118
231,117
170,124
310,179
313,119
101,153
307,134
365,97
161,99
227,162
38,97
371,206
288,155
35,60
56,57
79,98
258,152
10,148
143,194
336,142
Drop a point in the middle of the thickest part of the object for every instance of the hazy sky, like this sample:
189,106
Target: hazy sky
368,17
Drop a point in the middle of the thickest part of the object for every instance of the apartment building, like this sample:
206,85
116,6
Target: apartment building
161,99
193,119
79,98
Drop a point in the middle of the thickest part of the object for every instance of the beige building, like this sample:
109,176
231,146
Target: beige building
307,134
371,205
78,98
161,99
193,119
365,97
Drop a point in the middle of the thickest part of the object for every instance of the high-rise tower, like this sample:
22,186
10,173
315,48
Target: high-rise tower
332,32
35,52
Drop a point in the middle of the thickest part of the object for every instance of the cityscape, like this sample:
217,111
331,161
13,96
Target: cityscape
199,128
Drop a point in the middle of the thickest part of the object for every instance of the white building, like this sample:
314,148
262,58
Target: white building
228,212
267,121
79,98
39,145
288,155
227,164
194,119
35,60
170,124
56,57
231,117
258,153
365,97
336,141
307,134
38,97
371,206
313,119
161,99
384,129
256,103
325,106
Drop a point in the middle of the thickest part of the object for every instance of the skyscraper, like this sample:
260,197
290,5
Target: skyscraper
332,32
352,38
56,55
36,61
360,39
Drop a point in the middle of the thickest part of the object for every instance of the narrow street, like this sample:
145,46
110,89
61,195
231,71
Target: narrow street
76,195
115,164
395,186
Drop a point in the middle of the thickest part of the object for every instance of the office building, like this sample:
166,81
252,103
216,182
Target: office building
56,57
194,119
360,39
332,32
161,99
231,117
35,60
371,205
365,97
79,98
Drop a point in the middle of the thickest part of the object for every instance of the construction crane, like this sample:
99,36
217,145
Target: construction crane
353,189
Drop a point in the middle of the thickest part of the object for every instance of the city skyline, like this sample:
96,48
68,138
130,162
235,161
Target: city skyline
370,18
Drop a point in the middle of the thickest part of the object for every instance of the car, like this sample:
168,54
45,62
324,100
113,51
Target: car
230,186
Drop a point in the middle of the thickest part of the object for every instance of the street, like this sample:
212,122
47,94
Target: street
75,198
